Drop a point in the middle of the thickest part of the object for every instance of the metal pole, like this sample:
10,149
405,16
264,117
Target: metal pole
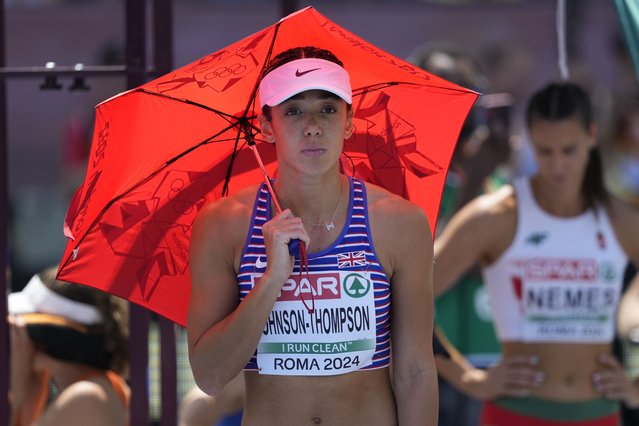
162,37
138,316
163,63
4,207
168,378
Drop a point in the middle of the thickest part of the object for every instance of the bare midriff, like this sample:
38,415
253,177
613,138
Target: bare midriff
568,367
359,398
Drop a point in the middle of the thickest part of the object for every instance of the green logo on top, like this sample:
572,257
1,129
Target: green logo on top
607,271
356,285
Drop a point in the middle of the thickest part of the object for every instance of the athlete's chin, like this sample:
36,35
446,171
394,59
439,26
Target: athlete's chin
319,164
558,182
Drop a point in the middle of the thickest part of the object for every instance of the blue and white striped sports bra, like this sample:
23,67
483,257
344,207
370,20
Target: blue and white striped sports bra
349,329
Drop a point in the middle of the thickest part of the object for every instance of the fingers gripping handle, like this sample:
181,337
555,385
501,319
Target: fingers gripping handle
293,245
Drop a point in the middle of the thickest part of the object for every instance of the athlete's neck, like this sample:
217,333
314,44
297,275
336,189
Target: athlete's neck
569,202
312,199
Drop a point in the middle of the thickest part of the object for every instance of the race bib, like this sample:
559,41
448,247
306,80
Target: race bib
568,300
338,337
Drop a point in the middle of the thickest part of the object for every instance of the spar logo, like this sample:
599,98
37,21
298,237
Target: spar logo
607,272
551,269
320,286
356,285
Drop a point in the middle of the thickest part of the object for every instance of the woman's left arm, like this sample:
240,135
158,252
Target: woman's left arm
628,315
612,381
414,371
625,221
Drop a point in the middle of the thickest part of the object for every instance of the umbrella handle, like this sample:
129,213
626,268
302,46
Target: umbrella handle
294,247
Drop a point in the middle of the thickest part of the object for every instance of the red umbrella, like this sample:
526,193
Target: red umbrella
164,149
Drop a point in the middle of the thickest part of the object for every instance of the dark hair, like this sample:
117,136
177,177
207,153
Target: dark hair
292,55
461,68
562,101
114,327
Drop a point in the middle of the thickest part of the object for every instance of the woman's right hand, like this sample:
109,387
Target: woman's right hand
515,376
278,232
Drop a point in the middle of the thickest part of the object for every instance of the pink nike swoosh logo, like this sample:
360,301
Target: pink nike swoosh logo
299,73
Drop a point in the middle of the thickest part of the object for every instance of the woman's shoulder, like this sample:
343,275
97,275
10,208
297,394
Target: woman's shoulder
86,402
84,390
493,205
502,201
625,221
623,212
491,217
230,209
382,202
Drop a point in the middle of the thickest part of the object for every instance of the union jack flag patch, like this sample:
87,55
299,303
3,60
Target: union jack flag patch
351,259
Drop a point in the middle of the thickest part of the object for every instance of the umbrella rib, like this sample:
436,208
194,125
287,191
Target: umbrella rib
247,127
379,86
267,59
196,104
234,121
244,122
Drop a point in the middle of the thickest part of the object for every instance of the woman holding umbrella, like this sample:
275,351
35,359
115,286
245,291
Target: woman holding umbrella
315,342
553,251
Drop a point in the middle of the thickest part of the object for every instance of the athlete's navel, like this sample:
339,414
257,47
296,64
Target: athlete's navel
569,379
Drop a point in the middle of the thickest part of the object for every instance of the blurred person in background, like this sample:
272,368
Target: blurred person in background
553,250
621,172
627,342
480,163
72,337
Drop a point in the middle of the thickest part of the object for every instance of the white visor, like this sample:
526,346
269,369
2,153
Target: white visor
37,297
301,75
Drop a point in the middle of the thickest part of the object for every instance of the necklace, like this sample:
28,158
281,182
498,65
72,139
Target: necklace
331,225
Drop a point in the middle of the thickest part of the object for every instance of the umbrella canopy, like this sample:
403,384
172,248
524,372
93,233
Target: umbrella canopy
164,149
